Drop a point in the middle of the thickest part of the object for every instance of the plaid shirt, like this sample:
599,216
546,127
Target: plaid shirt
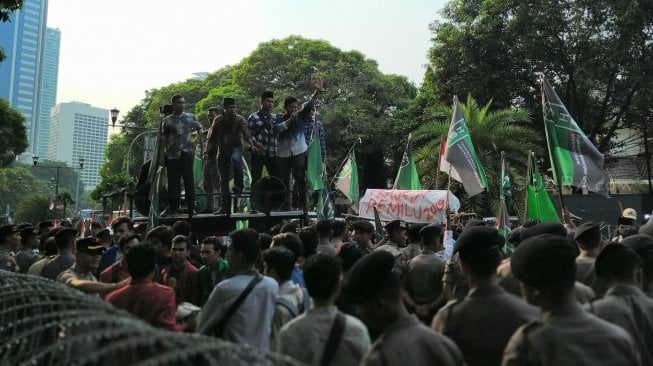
308,132
261,131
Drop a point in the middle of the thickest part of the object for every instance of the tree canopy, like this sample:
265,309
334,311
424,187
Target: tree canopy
13,133
597,54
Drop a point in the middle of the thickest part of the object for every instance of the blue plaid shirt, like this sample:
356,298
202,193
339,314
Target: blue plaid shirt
308,132
260,127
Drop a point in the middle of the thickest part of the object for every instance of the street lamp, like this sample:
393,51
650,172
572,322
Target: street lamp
81,167
114,116
54,182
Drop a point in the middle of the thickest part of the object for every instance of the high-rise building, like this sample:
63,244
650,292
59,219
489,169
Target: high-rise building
48,87
79,130
23,39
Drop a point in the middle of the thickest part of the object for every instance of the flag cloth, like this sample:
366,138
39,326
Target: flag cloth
314,166
407,178
460,154
444,165
347,178
379,230
503,219
243,202
153,216
575,160
539,206
325,209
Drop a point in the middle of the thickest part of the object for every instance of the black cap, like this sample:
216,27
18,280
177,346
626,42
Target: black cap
64,233
267,94
28,232
553,228
394,226
479,238
368,276
545,261
639,243
45,224
89,246
430,230
473,223
8,229
228,101
615,260
586,228
363,225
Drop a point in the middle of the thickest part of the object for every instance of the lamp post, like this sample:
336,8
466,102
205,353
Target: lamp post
54,182
81,167
114,116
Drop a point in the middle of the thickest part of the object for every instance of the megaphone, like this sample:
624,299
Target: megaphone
268,194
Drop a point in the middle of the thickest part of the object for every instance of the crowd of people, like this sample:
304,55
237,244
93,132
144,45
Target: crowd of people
334,292
276,142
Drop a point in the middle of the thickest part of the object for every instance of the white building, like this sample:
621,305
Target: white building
79,130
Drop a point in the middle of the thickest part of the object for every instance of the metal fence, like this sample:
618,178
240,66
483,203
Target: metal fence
46,323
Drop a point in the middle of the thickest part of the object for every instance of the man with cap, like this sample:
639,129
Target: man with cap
179,154
455,285
28,253
362,235
545,265
414,246
80,275
481,323
424,274
9,242
226,137
625,304
374,287
264,148
396,240
65,238
588,240
643,246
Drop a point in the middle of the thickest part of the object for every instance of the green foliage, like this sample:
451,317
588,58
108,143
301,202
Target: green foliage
34,208
113,188
596,53
358,100
491,131
13,133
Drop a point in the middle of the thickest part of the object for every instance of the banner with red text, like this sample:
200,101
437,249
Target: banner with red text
411,206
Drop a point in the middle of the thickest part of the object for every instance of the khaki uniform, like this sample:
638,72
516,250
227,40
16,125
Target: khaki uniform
409,342
481,324
400,258
628,307
424,277
568,335
412,250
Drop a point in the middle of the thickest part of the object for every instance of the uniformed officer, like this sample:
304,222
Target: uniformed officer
588,240
362,235
424,275
9,242
374,287
625,304
545,265
481,323
396,231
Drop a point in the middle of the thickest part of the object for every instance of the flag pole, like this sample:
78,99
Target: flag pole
556,173
529,180
358,141
437,172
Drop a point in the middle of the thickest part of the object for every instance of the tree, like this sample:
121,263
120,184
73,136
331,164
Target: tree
358,100
64,198
112,188
6,8
491,131
13,134
597,54
34,208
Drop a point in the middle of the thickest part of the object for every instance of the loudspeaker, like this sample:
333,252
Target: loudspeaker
268,194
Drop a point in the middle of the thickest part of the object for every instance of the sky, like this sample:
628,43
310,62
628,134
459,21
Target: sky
112,52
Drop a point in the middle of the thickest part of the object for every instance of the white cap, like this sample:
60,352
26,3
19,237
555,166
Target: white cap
629,213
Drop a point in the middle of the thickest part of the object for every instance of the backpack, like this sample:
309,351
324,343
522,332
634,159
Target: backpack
295,310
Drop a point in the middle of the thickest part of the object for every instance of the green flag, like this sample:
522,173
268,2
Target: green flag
538,203
324,209
314,166
347,178
464,165
407,177
503,219
574,159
